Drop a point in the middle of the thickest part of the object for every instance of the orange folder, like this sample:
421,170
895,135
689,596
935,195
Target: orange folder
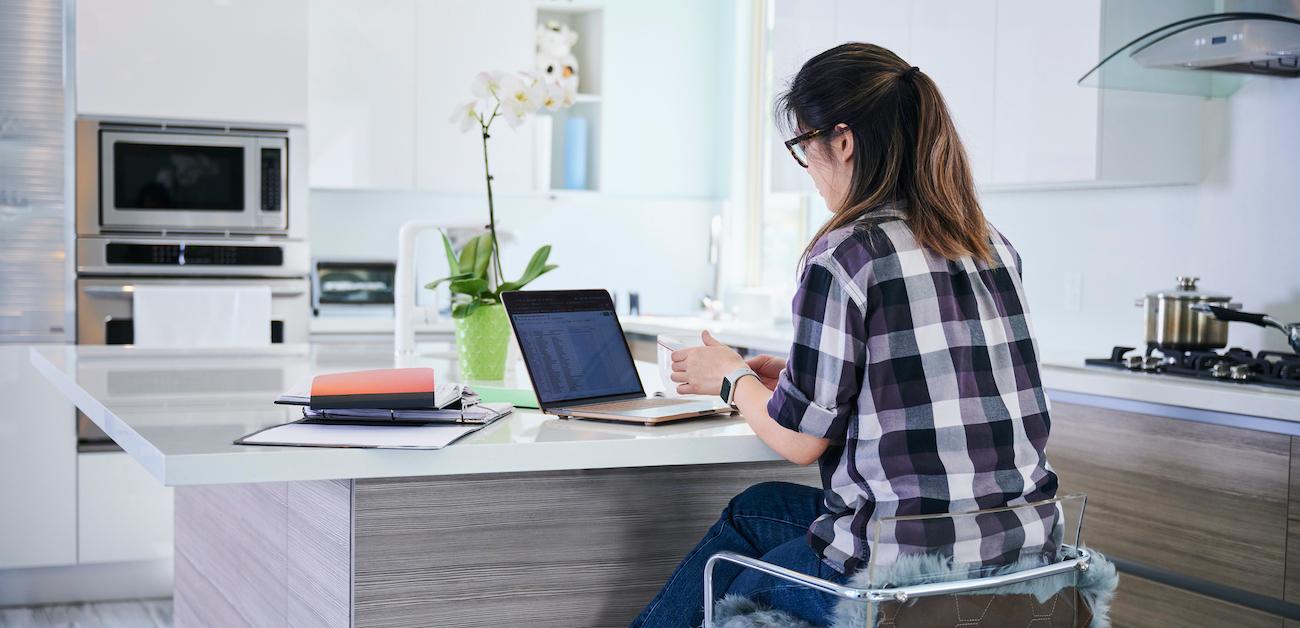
381,389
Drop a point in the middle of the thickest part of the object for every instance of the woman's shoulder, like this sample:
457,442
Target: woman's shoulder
877,234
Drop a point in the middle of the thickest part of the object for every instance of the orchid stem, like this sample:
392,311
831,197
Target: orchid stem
492,218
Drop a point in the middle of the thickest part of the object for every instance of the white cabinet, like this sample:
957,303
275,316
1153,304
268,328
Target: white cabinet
1008,71
1046,125
361,94
38,467
123,513
1050,131
228,60
455,40
953,44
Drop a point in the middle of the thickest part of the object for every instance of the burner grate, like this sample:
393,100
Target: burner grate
1235,365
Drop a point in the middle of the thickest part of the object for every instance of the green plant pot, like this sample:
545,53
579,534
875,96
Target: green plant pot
481,342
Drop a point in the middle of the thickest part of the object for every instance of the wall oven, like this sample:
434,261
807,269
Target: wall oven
104,317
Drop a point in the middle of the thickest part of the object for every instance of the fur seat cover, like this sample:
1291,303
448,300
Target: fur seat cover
1095,586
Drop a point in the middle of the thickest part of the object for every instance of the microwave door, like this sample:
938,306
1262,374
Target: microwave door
161,181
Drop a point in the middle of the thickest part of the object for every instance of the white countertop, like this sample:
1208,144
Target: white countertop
178,412
1229,397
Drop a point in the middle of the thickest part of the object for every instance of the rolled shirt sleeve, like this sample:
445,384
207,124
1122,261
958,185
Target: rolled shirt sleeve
818,390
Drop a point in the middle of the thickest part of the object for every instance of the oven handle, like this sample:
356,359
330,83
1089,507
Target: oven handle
122,291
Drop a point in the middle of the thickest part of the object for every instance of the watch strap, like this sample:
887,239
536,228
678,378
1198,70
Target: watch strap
733,379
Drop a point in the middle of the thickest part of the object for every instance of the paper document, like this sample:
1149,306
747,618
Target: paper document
312,434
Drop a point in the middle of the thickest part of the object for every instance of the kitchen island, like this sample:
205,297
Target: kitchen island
533,520
1194,490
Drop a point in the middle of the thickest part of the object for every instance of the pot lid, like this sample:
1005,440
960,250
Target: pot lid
1186,290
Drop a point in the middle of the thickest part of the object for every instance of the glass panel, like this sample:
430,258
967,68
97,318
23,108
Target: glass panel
1162,59
926,549
173,177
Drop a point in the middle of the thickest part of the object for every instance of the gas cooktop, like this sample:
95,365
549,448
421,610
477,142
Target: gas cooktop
1269,368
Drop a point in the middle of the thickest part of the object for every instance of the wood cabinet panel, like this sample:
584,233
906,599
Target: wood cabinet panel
571,548
1203,500
1141,603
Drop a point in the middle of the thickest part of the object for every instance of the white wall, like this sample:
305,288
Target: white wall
1237,230
658,248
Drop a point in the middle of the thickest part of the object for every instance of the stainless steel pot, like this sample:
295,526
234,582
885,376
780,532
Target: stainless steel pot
1173,323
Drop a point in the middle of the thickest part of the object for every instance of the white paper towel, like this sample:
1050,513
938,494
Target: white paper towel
184,317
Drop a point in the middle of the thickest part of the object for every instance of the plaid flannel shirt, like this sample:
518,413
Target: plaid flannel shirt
923,374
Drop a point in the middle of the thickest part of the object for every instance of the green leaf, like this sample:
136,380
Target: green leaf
536,264
523,281
463,310
469,256
475,256
472,287
434,284
453,266
484,255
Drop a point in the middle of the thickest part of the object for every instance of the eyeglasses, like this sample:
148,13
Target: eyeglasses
795,145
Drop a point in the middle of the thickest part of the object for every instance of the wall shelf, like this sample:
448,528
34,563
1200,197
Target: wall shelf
568,140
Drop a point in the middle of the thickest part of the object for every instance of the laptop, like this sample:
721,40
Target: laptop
580,363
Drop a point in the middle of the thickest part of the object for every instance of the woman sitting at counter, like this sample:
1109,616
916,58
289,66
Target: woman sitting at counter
913,380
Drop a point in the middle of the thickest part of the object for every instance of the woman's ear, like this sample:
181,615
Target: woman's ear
844,142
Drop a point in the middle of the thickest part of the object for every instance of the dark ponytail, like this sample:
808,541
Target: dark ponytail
906,147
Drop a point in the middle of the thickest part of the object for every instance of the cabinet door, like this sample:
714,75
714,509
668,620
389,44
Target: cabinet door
953,42
38,467
123,513
1045,123
886,23
227,60
455,40
801,30
361,94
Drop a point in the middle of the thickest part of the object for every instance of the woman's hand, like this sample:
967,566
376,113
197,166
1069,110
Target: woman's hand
768,368
700,370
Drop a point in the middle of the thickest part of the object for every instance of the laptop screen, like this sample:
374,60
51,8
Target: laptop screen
573,345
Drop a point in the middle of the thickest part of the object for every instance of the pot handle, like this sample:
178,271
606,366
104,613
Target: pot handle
1225,314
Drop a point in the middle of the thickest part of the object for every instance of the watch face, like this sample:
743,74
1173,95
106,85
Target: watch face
726,390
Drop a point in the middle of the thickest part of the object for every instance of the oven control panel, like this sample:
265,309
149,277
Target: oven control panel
182,254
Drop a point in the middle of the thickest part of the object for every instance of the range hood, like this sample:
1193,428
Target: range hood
1204,55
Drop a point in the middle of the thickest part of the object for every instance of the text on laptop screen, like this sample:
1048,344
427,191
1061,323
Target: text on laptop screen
575,350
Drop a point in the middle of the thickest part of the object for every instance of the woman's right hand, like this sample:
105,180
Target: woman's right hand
768,368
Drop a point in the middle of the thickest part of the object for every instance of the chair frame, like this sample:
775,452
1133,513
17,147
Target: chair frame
1081,560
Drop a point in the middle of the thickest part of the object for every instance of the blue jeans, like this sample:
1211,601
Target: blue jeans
768,521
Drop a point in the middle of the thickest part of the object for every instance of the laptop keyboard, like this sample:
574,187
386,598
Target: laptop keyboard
635,404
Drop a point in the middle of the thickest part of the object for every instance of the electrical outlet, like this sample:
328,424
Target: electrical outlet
1073,290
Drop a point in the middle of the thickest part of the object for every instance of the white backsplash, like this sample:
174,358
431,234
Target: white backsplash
658,248
1237,230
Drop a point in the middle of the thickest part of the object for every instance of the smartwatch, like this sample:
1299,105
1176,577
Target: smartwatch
728,392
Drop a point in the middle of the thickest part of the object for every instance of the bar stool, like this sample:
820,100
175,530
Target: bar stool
1048,581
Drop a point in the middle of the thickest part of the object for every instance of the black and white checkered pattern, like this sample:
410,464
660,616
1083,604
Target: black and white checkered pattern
923,374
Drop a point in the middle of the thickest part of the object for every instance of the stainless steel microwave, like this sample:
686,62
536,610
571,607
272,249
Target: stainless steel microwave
183,177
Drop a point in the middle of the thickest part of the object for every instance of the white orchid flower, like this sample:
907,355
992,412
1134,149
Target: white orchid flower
554,96
487,84
570,94
519,97
466,115
514,116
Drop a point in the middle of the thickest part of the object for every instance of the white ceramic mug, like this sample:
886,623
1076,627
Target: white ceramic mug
665,346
